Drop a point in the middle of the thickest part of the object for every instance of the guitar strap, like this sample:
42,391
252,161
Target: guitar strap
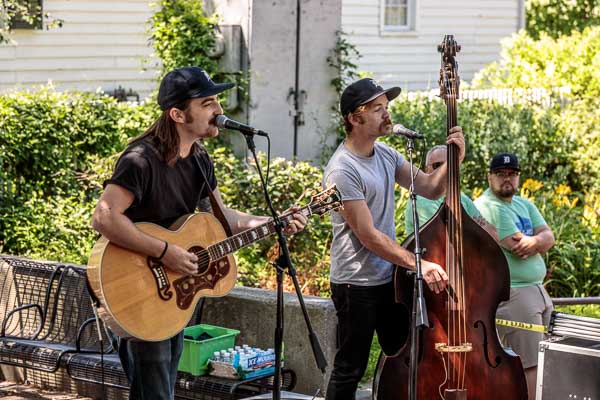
216,209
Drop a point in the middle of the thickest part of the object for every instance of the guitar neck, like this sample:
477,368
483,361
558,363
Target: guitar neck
236,242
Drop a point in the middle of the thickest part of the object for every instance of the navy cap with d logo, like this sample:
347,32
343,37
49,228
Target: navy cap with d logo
504,160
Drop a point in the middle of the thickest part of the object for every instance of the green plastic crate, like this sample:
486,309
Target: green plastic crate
196,353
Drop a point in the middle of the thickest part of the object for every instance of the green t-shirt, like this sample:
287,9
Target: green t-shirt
427,208
520,215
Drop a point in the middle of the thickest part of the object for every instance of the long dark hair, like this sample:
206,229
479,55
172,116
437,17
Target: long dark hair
163,134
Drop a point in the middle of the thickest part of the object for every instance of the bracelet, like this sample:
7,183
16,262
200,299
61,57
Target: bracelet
164,251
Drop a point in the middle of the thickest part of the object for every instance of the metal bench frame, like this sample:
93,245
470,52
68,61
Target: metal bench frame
48,324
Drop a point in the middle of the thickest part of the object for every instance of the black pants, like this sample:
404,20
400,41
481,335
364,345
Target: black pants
362,310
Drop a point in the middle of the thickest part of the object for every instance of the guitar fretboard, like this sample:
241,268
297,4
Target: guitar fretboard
243,239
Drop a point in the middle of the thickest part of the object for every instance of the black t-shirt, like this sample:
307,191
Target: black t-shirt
163,193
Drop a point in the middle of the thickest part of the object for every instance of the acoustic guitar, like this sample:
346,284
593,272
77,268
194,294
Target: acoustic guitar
140,298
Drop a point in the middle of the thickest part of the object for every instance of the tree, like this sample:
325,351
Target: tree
560,17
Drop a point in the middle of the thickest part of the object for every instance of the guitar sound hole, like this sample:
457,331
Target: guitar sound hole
203,259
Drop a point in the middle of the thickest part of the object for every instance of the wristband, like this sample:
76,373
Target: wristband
164,251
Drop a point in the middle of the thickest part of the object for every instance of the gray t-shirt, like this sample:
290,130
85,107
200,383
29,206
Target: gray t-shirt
362,178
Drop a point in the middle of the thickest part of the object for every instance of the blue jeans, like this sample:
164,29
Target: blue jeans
361,311
151,367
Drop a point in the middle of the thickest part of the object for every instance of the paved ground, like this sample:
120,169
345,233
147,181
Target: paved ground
15,391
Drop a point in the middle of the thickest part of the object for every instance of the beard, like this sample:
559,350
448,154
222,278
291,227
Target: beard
507,191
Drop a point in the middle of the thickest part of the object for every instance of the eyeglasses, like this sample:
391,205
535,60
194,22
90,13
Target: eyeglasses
506,174
436,165
433,166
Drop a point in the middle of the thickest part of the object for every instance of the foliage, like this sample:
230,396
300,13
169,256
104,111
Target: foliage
29,12
579,125
342,59
587,310
56,149
538,134
290,183
546,63
560,17
573,261
49,142
572,61
183,35
489,127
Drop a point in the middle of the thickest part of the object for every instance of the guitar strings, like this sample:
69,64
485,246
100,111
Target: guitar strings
211,253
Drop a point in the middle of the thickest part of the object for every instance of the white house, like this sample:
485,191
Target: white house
103,42
397,38
101,45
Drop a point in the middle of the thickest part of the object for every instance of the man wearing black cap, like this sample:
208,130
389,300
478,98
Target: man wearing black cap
524,237
364,250
162,175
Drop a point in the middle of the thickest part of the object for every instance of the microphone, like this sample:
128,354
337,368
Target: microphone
399,129
223,122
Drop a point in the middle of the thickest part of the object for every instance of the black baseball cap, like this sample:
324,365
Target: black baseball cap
504,160
187,83
363,91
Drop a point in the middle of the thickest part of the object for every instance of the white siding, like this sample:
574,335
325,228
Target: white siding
101,45
410,59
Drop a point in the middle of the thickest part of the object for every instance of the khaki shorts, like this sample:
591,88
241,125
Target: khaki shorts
530,304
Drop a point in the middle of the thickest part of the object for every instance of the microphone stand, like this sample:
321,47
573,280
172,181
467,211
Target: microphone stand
284,262
419,309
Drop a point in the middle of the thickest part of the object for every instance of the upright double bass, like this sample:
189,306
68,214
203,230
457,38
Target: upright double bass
460,356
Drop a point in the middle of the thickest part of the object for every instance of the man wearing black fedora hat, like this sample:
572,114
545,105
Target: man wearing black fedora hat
364,250
162,175
524,238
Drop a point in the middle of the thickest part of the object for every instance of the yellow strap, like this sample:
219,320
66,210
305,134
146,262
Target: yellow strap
522,325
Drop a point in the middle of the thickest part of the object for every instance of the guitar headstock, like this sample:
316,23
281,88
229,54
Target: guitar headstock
449,80
329,199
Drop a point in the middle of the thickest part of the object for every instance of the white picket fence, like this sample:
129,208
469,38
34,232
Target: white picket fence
509,96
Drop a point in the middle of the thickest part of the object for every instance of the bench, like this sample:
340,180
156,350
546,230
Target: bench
49,329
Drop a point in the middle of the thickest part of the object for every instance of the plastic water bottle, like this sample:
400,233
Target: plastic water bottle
217,356
243,361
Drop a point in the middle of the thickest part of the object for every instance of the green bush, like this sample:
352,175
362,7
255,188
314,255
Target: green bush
560,17
573,261
183,35
549,153
56,149
53,165
546,63
572,61
290,183
529,130
47,141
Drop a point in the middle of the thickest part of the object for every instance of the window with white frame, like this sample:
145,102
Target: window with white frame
397,15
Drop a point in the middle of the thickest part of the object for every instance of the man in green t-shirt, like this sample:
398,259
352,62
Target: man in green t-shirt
427,208
524,237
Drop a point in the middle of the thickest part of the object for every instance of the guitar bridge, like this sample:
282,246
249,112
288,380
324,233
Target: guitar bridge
163,285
